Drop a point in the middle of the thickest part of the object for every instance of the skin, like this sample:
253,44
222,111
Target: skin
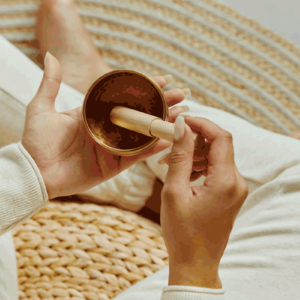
67,157
295,135
197,221
60,31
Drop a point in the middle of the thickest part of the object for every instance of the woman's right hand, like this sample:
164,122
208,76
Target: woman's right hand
197,221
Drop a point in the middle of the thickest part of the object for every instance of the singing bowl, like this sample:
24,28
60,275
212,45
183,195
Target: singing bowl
126,88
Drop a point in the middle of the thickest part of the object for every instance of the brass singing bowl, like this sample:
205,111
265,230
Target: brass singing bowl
126,88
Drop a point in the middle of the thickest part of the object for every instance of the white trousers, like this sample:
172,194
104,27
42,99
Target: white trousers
262,259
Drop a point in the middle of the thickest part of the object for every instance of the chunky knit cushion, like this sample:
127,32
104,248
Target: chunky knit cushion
85,251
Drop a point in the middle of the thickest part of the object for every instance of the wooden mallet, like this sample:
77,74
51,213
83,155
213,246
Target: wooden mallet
126,112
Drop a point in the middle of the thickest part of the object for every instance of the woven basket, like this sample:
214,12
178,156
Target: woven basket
74,251
229,61
85,251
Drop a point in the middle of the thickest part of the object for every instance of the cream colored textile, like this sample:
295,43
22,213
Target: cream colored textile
22,189
262,258
12,118
129,190
85,250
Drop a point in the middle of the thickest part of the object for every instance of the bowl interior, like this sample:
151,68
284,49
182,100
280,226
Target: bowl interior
121,88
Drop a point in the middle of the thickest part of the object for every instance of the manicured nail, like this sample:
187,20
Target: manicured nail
162,161
168,78
46,57
187,114
179,128
185,108
187,92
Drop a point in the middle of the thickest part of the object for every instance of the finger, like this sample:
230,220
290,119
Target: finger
181,158
74,113
161,145
175,111
44,99
201,154
200,165
176,96
162,81
127,161
221,150
204,172
196,175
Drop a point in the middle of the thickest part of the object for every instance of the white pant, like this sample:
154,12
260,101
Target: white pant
262,259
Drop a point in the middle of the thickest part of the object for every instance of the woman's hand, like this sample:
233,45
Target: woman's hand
197,221
67,157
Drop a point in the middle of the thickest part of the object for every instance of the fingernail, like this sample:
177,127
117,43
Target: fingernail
162,161
185,108
203,168
187,114
168,78
187,92
46,57
184,115
179,128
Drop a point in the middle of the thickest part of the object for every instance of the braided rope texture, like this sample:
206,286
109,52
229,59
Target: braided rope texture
85,251
229,61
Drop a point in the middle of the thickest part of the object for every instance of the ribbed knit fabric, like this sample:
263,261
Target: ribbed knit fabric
175,292
129,189
22,189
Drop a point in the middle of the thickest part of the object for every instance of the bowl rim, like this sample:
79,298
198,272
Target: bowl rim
125,152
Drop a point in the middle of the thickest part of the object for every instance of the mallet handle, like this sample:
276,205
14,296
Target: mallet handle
146,124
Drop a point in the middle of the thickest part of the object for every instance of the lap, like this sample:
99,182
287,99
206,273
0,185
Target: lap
8,269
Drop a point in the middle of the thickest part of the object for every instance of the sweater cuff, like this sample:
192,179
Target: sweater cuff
22,188
178,292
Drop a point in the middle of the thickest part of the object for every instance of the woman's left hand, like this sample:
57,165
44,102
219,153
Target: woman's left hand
68,158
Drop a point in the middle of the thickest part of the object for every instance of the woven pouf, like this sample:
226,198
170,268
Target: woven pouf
85,251
229,61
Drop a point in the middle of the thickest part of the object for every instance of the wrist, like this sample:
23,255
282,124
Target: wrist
48,184
195,275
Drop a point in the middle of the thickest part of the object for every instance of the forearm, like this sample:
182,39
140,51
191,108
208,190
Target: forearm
22,190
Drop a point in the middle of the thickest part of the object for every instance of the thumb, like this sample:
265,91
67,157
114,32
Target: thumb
44,99
181,157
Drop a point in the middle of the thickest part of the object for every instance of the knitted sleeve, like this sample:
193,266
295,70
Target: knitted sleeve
178,292
22,189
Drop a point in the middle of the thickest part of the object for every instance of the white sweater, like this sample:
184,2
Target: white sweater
23,192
